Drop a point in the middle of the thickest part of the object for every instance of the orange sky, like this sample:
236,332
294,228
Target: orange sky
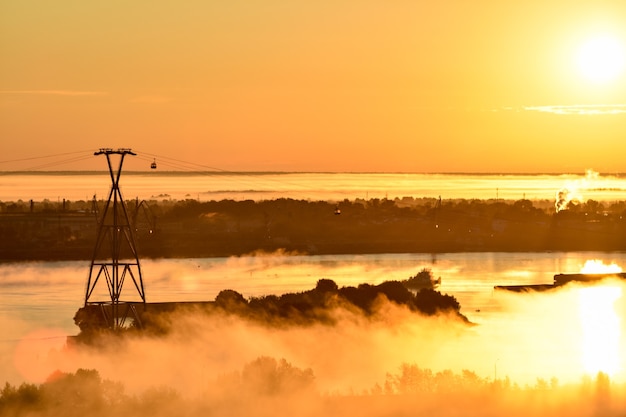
341,85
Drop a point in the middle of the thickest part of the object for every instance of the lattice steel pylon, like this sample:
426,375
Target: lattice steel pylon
115,256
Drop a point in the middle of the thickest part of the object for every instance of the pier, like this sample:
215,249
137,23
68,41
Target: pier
561,280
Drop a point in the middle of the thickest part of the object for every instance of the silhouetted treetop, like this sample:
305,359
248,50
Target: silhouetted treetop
316,305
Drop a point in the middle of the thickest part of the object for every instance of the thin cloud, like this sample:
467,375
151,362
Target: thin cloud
583,109
151,99
56,92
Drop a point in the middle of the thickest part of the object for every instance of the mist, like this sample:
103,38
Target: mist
526,351
394,362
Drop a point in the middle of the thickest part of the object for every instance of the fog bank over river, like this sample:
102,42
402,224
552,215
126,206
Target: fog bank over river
520,336
54,186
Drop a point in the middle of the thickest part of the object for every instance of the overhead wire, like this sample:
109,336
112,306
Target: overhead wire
43,157
59,163
240,177
32,339
53,163
200,169
181,163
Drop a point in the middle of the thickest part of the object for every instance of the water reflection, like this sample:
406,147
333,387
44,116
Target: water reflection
309,186
562,333
581,109
600,325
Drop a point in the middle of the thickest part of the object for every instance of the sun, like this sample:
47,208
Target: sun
601,59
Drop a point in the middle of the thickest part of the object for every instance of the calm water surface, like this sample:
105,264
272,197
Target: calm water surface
527,336
309,186
48,293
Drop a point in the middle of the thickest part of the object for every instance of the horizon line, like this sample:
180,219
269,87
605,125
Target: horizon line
586,173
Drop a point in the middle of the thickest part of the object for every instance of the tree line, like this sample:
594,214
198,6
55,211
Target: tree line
190,228
267,383
316,306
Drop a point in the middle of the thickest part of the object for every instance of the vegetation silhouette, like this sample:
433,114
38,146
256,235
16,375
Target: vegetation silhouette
190,228
421,280
316,306
270,384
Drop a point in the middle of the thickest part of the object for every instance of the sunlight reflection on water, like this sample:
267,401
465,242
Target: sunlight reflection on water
308,186
601,331
532,336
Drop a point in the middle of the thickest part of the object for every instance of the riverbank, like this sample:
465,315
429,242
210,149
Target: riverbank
190,228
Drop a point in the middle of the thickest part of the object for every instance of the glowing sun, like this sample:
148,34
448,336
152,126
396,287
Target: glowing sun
601,59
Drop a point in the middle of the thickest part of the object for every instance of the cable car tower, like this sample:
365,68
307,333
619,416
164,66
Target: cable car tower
115,258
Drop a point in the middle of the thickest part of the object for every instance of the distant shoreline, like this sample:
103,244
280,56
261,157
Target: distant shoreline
226,172
265,186
194,229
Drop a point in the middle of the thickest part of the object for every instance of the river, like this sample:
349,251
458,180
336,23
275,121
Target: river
562,334
40,299
163,185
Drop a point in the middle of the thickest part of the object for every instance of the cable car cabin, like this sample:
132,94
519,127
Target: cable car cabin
153,165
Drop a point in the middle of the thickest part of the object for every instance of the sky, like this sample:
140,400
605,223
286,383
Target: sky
341,85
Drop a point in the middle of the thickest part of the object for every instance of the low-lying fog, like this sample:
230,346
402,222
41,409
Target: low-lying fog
537,350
